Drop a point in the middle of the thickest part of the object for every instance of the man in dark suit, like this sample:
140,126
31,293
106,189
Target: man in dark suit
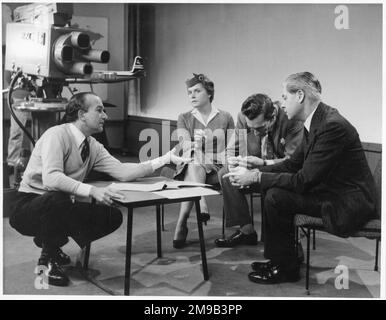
263,136
328,177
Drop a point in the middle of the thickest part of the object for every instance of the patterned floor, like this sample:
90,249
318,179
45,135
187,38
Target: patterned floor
339,267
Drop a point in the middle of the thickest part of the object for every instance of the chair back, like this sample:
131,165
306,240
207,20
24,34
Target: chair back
378,187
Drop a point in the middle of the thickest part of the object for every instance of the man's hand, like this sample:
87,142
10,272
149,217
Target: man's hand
241,177
173,156
251,162
105,195
233,162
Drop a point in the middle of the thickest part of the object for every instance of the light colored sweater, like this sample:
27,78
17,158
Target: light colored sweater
56,164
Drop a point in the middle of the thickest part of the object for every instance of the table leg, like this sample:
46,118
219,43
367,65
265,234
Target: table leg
202,241
128,250
159,247
86,256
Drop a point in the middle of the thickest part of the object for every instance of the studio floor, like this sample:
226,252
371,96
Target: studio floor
178,272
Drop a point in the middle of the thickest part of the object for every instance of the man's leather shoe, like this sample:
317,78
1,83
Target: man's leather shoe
260,265
263,265
274,274
238,238
61,258
53,273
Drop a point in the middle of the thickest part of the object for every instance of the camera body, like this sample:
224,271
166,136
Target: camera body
50,51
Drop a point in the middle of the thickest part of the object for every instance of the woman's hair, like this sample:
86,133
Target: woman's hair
76,103
256,105
306,82
205,81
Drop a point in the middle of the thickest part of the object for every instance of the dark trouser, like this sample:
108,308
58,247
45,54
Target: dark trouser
280,207
235,203
52,217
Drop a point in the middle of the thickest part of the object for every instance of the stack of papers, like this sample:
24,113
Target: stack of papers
156,186
186,192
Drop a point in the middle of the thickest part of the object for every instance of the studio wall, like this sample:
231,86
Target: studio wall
115,14
249,48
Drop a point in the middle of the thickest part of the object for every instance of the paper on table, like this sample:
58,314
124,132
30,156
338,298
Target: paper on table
186,192
175,184
156,186
138,186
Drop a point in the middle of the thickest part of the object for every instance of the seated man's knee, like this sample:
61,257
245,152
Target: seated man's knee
221,175
57,196
116,219
273,196
196,167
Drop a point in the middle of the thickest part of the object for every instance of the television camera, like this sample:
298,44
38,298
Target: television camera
45,54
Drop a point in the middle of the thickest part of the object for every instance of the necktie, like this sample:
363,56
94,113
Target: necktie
306,135
267,151
85,150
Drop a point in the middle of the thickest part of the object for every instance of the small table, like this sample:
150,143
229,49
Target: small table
137,199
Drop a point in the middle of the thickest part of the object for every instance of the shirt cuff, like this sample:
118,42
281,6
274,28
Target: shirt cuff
257,177
83,190
158,162
269,162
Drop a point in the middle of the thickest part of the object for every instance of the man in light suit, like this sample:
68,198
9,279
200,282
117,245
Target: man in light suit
328,177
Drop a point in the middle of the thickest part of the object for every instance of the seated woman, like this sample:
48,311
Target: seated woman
208,127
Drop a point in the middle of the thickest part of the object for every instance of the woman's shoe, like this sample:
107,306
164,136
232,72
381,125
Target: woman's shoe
181,243
204,217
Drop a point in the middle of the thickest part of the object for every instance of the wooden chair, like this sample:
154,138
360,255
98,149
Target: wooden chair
371,230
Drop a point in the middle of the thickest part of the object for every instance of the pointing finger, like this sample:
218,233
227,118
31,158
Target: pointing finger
230,174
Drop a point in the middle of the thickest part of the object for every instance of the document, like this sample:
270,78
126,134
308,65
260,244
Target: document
186,192
156,186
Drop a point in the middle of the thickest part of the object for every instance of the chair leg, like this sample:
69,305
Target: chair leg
308,235
162,217
86,256
262,218
251,204
313,240
223,223
376,254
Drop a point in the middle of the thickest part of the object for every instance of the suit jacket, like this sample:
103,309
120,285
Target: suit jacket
330,163
286,135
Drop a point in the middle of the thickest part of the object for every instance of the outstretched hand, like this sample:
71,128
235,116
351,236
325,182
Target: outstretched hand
175,158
